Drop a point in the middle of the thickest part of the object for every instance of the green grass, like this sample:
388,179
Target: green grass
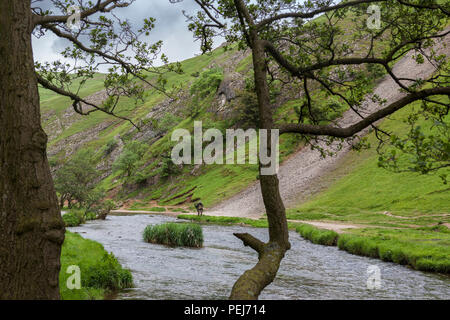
175,234
422,249
318,236
157,209
101,273
138,206
262,223
179,210
227,221
425,249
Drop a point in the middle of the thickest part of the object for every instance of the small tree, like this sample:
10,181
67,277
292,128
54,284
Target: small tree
75,180
130,160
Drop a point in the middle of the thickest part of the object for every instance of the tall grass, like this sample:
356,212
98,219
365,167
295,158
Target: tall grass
418,256
175,234
101,273
318,236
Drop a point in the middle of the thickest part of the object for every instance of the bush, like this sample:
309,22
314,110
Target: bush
110,146
73,218
90,216
207,83
108,274
167,122
175,234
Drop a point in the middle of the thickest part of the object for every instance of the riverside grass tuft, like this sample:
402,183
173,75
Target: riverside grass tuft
175,234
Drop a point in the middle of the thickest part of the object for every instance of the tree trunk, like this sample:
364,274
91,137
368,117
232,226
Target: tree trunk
253,281
31,227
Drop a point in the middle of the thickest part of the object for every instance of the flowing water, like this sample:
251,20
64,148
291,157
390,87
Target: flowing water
308,271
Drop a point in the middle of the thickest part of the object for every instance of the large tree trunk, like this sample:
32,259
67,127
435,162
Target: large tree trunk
31,228
270,254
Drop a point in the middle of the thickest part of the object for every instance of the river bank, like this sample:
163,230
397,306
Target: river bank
101,275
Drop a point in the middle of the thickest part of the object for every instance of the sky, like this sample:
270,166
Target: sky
171,27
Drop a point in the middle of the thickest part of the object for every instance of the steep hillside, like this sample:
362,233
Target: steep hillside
304,174
213,90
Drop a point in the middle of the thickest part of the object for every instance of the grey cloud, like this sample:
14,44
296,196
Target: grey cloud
170,26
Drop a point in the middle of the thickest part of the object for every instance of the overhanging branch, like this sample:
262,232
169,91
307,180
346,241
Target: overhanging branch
329,130
99,7
78,100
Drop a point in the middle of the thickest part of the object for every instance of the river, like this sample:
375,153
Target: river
308,271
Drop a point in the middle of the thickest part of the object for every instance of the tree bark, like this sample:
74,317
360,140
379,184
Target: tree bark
31,227
253,281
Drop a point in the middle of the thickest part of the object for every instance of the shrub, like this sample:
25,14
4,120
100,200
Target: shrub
168,168
207,83
73,218
167,122
90,216
175,234
110,146
108,274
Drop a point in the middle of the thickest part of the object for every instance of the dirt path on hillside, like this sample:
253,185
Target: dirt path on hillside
299,174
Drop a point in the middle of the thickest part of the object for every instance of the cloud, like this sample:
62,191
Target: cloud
170,27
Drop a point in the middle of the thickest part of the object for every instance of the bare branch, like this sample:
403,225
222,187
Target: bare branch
251,241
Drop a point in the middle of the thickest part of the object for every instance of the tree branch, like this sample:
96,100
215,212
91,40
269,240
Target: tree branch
77,100
99,7
329,130
312,14
251,241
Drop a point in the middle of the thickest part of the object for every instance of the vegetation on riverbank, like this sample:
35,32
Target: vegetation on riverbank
175,234
101,273
426,248
76,217
318,236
